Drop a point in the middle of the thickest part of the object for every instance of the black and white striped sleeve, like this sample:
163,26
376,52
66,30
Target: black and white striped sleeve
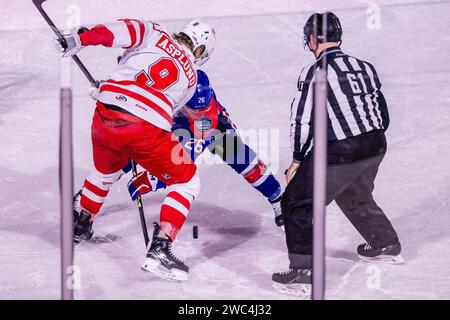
301,114
379,96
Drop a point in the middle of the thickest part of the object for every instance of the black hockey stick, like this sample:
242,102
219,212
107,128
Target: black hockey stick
141,208
38,4
95,83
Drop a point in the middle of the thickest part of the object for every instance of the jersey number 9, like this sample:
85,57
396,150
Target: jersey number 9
161,75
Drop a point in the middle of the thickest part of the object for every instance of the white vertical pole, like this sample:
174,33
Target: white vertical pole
320,175
319,183
66,179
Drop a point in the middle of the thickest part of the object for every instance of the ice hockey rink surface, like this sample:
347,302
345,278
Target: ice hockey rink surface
254,71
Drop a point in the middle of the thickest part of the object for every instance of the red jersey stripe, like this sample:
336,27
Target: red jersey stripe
132,32
89,205
256,173
131,94
156,93
172,216
180,199
142,31
94,189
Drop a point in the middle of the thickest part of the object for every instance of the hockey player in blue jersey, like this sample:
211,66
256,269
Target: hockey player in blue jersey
203,123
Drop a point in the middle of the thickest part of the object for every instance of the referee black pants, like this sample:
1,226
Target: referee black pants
352,167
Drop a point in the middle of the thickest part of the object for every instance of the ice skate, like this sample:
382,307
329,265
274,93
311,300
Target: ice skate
294,282
161,261
389,254
82,221
276,206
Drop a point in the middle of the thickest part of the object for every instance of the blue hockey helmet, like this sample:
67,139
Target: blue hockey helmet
203,93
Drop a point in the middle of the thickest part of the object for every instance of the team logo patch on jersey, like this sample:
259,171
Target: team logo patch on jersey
203,124
165,176
122,98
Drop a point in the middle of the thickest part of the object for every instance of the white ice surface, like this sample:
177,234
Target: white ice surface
254,70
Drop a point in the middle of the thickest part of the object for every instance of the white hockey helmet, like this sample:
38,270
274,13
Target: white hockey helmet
201,35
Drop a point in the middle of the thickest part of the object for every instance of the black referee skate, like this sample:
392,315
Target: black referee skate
389,254
82,221
295,282
160,259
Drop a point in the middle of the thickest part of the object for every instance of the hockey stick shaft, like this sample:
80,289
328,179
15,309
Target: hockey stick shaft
38,4
141,208
95,83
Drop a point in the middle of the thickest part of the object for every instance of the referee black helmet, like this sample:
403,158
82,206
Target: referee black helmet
315,24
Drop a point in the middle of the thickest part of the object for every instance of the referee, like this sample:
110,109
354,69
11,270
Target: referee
357,119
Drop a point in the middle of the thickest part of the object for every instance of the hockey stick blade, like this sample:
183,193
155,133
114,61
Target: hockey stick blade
38,4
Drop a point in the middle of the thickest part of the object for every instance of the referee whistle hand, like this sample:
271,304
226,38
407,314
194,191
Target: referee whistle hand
291,171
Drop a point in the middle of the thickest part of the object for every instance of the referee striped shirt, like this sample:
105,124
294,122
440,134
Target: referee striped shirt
355,102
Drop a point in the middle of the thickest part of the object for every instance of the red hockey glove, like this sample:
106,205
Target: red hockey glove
143,183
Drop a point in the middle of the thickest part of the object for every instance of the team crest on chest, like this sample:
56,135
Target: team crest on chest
203,124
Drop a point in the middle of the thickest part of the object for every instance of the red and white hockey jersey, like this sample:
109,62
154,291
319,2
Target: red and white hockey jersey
155,75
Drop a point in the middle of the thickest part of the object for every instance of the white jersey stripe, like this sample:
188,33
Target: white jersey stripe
331,115
250,166
136,89
310,147
137,108
335,123
121,35
261,180
343,102
356,67
371,111
341,64
137,29
372,81
92,196
176,205
354,64
307,113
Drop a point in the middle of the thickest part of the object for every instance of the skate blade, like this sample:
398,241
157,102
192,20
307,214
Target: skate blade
78,244
384,259
155,267
78,241
300,290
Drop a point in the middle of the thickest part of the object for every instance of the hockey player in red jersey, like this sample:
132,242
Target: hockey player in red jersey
133,120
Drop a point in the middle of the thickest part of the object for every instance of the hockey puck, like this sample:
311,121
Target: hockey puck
195,232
